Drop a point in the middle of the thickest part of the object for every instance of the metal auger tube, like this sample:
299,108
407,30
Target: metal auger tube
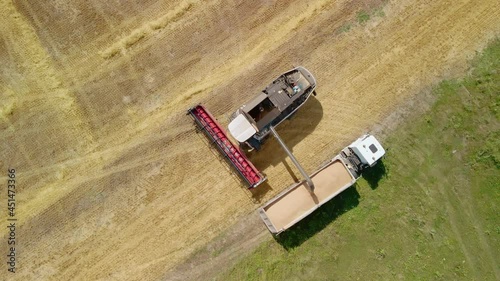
294,160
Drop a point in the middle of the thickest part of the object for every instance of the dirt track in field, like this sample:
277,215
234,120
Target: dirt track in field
114,183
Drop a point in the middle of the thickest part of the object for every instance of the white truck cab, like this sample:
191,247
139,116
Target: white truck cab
368,149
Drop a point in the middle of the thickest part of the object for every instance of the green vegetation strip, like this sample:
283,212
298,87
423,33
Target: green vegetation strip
429,211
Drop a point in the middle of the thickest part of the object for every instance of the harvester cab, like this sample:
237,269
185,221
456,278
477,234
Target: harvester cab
241,128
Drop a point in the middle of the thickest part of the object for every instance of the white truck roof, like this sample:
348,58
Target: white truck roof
368,149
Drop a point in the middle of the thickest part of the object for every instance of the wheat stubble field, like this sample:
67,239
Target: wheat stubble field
113,181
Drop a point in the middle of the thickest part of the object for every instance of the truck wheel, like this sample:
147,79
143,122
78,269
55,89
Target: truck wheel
314,93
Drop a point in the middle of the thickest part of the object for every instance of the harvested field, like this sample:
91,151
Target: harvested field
113,181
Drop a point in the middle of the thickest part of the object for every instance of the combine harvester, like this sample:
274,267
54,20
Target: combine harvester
251,125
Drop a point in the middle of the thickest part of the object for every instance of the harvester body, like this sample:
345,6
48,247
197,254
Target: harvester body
251,123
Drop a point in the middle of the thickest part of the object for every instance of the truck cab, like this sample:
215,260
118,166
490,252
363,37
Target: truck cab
362,153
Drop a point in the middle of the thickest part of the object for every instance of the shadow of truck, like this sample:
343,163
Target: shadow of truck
319,219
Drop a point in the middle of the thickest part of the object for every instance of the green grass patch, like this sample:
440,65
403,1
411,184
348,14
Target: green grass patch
363,17
379,12
429,211
346,27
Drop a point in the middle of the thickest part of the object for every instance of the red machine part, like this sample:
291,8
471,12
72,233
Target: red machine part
232,153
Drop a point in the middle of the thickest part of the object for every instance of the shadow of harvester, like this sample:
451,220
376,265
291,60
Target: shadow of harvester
291,131
319,219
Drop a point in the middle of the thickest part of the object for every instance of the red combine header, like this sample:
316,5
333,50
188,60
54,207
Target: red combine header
208,124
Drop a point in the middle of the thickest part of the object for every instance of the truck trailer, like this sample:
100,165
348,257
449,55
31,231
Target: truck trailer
338,174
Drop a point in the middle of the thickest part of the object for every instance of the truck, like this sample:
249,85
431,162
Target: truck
336,175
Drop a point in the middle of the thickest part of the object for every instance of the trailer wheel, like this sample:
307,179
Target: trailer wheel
314,93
